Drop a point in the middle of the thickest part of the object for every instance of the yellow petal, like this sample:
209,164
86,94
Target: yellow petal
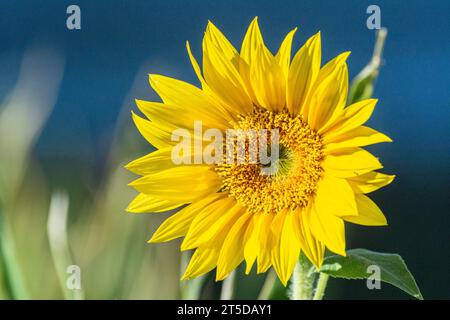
251,242
267,80
232,252
252,41
311,247
261,71
329,93
215,37
179,184
283,55
329,229
335,197
152,162
145,203
266,242
186,116
202,261
196,66
302,74
153,133
286,254
177,225
358,137
351,162
369,213
221,70
353,116
370,182
212,220
277,229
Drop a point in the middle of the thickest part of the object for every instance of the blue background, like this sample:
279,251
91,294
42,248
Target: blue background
107,62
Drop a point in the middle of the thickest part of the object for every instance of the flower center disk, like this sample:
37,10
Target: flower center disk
298,168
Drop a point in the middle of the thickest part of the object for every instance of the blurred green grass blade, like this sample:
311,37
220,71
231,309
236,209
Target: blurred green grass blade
59,246
24,113
227,292
363,84
269,287
12,275
22,117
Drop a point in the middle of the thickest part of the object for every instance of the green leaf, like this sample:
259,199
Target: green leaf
355,265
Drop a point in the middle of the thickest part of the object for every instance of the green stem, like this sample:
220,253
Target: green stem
379,46
302,280
362,85
321,286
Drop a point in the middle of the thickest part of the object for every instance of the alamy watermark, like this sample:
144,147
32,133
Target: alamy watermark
73,281
234,146
374,20
73,21
374,280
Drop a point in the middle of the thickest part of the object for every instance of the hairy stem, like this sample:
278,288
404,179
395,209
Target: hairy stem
302,280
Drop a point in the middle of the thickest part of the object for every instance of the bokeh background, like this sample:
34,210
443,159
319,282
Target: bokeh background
66,132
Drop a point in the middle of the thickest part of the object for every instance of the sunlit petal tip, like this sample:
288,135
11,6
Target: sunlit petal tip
254,26
129,165
186,246
284,281
130,209
184,278
132,184
136,182
187,275
317,264
211,27
153,79
139,102
220,276
248,268
344,56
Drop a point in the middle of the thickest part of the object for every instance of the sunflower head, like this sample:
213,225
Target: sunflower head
253,210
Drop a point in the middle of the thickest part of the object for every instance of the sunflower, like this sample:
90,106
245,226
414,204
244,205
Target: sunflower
230,212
